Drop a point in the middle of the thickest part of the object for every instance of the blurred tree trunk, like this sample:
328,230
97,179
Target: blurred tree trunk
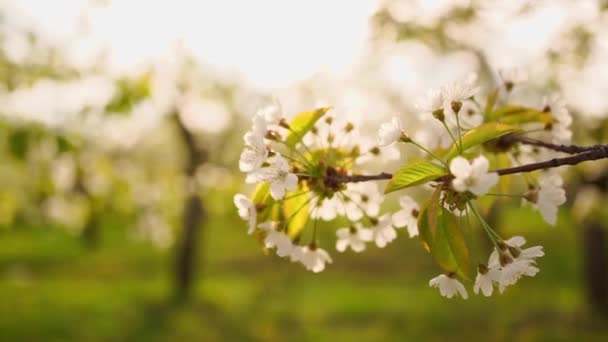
90,232
192,218
596,267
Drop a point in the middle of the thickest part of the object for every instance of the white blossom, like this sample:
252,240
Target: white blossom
407,216
314,259
273,113
275,238
512,77
550,196
485,281
560,129
432,101
326,209
383,231
247,211
390,132
361,198
449,286
513,267
255,153
279,177
473,177
469,117
353,237
458,92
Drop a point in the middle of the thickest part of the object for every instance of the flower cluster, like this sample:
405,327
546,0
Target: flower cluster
300,178
310,169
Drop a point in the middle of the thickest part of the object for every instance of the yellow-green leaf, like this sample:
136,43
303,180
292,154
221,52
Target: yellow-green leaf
296,210
491,101
513,114
416,173
441,233
479,135
301,124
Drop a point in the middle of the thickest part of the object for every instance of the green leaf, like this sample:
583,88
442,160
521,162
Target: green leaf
414,174
442,235
295,208
301,124
513,114
479,135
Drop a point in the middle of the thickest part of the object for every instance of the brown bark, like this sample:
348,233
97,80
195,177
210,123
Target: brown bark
596,267
192,218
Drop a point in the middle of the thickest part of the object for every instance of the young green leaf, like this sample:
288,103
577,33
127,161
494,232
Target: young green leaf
442,235
479,135
416,173
296,209
301,124
512,114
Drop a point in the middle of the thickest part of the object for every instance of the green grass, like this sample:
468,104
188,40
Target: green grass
54,288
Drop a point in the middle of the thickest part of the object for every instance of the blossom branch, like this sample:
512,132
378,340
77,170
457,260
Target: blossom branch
570,149
589,153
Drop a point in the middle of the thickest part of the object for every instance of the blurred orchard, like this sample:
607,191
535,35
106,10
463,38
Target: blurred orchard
121,128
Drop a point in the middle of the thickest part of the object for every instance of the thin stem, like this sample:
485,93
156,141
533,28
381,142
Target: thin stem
429,152
452,136
504,195
491,233
300,138
459,131
300,208
296,195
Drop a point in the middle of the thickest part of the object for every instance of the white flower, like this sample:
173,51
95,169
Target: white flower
273,113
512,77
432,101
255,152
390,132
550,196
449,286
279,177
383,231
314,259
473,177
515,262
252,159
469,117
458,92
360,199
247,210
485,281
326,209
407,216
560,129
354,238
275,238
297,252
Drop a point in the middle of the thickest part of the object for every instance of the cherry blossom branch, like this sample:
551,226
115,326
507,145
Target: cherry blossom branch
590,153
570,149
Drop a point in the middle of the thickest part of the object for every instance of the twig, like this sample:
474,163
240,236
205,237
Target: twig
589,153
570,149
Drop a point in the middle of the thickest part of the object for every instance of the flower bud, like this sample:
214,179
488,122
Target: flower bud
456,106
439,115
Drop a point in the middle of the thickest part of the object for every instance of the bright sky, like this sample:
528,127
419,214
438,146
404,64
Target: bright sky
271,42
